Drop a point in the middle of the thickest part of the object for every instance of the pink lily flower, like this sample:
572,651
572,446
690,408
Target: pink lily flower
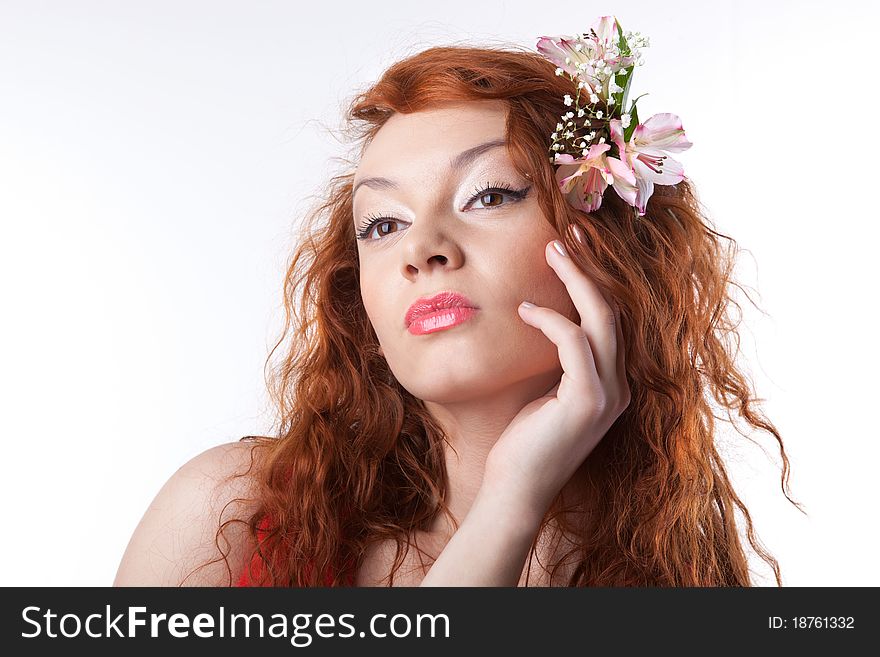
557,49
560,49
605,28
645,156
584,179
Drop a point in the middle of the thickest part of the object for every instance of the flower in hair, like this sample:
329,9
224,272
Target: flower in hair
600,142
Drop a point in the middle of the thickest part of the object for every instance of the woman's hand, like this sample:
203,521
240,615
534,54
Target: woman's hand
550,437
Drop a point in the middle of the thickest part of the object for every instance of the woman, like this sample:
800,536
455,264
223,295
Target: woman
432,430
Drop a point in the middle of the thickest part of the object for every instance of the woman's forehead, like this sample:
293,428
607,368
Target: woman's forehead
443,130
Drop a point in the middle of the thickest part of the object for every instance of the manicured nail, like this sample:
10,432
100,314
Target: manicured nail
526,304
558,246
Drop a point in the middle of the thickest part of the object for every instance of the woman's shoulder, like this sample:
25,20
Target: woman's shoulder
178,532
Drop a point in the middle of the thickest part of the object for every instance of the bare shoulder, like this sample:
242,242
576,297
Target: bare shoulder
178,532
379,557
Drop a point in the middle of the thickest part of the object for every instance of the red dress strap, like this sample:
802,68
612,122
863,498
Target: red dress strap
257,565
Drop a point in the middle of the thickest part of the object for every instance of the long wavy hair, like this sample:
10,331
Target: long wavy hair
355,458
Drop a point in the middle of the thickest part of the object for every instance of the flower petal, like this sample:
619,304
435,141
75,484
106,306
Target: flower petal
606,31
617,137
596,150
621,170
556,49
624,180
662,130
587,196
670,170
645,189
563,158
567,175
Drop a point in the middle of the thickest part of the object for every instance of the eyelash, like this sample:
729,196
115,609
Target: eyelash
366,228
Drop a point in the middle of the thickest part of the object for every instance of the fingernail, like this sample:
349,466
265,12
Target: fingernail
526,304
561,249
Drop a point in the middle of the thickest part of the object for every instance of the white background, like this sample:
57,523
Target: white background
155,157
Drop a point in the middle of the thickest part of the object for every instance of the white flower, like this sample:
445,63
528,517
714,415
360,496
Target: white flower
624,120
599,114
581,112
567,99
559,71
594,98
601,140
559,126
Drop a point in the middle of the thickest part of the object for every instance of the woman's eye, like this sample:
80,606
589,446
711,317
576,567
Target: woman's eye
488,197
384,223
366,230
497,192
496,195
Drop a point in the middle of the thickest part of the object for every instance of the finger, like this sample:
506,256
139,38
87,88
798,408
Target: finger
575,354
597,316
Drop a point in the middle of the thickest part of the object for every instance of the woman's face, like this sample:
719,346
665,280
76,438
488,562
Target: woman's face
441,232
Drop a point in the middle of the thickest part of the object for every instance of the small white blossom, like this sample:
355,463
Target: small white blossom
624,120
611,100
601,140
569,114
553,136
594,98
599,114
581,112
559,126
567,99
559,71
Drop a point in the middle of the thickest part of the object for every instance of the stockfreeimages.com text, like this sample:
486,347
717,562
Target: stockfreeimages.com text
135,621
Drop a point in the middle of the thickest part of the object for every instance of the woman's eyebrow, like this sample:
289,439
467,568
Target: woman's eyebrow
463,159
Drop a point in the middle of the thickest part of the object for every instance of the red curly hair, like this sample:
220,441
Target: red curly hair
356,458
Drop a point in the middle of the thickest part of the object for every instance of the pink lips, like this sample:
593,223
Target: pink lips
441,311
